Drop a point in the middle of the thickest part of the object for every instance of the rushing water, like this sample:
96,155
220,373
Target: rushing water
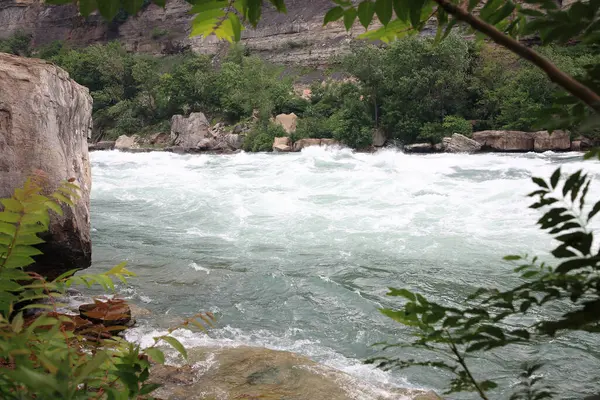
295,251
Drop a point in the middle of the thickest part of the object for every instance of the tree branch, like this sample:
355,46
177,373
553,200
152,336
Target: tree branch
567,82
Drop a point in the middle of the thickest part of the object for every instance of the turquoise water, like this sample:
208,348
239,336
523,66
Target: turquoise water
295,251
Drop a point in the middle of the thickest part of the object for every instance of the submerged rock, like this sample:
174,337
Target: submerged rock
254,373
45,122
419,148
458,143
103,145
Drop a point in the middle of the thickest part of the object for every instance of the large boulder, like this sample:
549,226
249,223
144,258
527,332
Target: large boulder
460,144
379,138
45,122
188,132
419,148
125,142
329,142
302,143
505,140
555,141
282,144
288,122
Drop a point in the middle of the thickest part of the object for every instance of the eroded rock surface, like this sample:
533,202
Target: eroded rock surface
45,122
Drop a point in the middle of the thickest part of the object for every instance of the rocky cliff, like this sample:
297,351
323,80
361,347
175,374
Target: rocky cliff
45,121
297,37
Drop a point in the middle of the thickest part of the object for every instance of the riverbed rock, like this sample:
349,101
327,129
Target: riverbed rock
187,132
418,148
555,141
303,143
282,144
110,313
458,143
510,141
234,141
45,123
288,122
379,138
125,142
103,145
252,373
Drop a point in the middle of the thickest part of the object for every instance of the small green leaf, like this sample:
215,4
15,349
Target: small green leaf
108,8
402,293
156,354
366,11
349,18
384,10
176,345
333,15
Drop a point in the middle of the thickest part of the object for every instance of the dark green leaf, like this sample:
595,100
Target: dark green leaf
333,15
384,10
366,10
349,17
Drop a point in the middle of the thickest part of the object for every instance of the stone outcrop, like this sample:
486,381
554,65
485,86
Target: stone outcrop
505,140
187,132
303,143
282,144
252,372
458,143
419,148
518,141
288,122
45,122
555,141
297,37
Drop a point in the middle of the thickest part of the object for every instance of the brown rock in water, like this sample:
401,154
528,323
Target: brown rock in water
252,373
505,140
282,144
109,313
302,143
555,141
45,122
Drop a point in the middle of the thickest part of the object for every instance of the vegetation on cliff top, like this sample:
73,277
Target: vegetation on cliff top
413,90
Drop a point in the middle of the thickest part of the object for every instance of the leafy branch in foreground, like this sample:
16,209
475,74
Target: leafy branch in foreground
45,354
492,318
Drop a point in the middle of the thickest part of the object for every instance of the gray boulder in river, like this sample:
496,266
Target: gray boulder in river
45,121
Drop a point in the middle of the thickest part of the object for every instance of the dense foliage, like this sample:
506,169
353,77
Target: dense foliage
45,354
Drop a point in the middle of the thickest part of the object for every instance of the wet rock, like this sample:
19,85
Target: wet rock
555,141
109,313
252,373
104,145
505,140
302,143
188,132
234,141
282,144
576,145
458,143
287,121
379,138
125,142
45,123
419,148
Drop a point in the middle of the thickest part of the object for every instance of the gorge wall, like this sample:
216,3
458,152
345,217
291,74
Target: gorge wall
296,37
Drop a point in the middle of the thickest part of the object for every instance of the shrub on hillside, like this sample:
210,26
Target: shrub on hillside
262,136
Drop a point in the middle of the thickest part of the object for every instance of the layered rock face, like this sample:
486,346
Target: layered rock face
45,121
297,37
523,141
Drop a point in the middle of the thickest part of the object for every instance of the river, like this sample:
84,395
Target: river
295,251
